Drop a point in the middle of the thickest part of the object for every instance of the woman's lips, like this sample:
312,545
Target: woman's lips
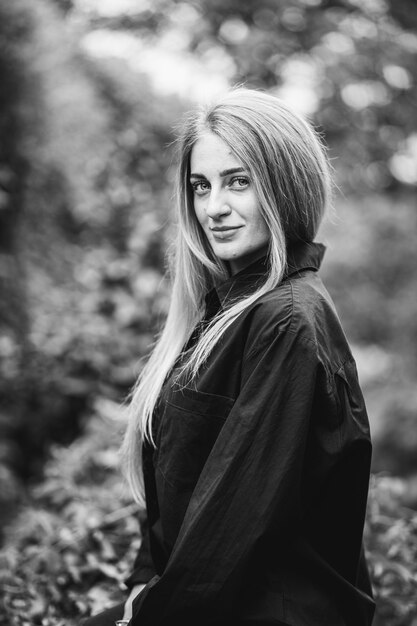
224,232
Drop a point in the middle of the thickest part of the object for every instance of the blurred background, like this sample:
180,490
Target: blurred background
90,93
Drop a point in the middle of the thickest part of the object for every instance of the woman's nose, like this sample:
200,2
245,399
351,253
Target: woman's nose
217,206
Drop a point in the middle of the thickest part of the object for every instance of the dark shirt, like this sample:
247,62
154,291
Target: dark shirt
257,489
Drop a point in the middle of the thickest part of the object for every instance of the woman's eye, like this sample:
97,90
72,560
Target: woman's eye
239,182
200,187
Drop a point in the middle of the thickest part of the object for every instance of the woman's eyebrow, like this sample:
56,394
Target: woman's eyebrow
232,170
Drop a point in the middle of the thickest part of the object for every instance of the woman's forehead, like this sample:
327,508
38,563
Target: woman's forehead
211,151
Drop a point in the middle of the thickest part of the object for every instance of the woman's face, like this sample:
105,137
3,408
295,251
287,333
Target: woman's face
225,203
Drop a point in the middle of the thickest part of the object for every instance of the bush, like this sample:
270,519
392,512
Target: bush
75,539
391,540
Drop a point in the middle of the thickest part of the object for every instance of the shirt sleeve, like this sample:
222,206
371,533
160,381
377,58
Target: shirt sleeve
250,484
143,568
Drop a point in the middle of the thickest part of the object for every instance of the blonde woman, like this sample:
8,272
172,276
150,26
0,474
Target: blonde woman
248,439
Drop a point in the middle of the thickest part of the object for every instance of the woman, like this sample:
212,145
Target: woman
249,439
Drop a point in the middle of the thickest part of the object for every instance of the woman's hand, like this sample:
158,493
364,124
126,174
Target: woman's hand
135,591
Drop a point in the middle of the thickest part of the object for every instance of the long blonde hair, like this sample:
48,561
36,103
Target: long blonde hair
291,176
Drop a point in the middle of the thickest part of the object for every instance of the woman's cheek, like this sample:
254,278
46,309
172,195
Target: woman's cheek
200,213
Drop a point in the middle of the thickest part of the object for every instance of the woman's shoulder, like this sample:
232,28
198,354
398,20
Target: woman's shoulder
299,305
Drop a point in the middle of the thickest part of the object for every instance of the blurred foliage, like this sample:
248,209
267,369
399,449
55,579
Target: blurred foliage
85,219
75,540
85,167
350,65
391,540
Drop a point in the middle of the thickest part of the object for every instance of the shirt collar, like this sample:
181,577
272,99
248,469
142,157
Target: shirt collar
301,256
